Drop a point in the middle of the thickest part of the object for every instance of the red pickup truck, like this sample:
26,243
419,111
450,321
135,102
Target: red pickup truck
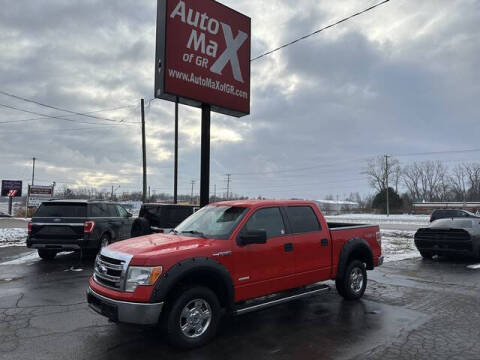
237,256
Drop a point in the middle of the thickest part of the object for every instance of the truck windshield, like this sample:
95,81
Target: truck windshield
214,222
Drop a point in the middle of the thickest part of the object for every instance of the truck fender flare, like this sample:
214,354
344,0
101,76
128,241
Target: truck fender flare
190,267
354,245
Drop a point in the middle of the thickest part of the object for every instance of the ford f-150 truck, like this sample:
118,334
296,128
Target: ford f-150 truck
236,256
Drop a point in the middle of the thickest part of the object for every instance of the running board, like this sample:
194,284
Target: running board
254,305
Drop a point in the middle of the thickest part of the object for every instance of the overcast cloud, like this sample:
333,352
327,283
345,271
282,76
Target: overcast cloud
401,79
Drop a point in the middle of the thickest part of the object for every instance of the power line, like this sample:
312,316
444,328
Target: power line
319,31
52,116
56,108
438,152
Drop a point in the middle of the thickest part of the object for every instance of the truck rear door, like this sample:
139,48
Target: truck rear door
312,245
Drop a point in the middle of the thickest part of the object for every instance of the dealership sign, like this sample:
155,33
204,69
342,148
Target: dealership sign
38,194
12,188
203,55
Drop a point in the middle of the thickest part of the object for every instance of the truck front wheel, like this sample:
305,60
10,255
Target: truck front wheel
192,318
354,282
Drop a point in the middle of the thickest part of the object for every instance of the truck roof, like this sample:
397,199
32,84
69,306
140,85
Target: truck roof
258,203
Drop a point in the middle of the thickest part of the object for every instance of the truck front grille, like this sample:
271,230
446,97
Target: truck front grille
109,271
443,240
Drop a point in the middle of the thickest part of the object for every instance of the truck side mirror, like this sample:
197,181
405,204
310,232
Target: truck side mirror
252,237
129,215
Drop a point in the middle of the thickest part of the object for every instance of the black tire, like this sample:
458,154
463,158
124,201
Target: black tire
47,254
354,281
426,255
175,317
140,227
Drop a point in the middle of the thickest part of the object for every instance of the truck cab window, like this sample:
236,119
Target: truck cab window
303,219
269,220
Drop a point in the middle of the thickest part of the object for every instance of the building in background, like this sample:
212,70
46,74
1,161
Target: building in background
429,207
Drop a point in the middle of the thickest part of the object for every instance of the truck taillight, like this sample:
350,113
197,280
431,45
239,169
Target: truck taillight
89,226
379,238
29,227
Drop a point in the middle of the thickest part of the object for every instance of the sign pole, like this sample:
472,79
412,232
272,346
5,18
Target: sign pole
175,176
205,157
10,203
144,153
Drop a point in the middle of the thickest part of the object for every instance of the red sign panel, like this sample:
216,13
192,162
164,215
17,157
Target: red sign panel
203,55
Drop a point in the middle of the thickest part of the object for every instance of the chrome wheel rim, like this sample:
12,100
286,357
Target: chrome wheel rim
356,280
195,318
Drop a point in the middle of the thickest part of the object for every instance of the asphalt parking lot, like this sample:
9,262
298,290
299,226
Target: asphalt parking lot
412,309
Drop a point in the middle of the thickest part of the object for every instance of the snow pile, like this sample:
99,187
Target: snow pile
25,259
398,245
381,219
13,237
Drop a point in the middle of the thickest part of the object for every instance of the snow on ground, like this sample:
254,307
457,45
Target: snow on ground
25,259
381,219
12,237
398,245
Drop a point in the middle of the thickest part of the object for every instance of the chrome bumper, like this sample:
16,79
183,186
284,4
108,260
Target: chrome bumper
124,311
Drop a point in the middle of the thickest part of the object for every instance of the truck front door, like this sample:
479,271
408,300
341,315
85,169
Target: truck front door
263,268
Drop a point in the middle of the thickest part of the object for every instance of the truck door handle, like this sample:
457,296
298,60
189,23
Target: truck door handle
324,242
288,247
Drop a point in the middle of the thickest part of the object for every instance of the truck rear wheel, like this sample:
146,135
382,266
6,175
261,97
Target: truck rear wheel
354,281
47,254
192,318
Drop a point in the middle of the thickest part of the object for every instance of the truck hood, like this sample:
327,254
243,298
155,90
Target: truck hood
145,247
455,223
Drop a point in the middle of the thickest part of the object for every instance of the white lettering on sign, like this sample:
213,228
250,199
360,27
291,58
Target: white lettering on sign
230,54
198,41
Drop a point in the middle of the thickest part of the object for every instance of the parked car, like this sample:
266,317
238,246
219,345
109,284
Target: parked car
452,236
77,225
160,218
239,256
451,213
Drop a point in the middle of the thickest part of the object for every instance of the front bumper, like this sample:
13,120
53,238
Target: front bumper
123,311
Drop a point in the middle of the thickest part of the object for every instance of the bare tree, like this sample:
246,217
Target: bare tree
473,175
427,181
458,183
376,173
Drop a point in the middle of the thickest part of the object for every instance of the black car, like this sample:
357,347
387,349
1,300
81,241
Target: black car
160,218
450,214
77,225
453,236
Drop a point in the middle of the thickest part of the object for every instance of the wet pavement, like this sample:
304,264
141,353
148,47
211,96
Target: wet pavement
412,309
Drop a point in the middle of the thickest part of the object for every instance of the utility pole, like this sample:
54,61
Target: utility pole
191,195
144,152
175,176
228,185
111,194
386,181
33,172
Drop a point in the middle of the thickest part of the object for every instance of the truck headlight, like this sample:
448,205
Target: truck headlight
139,275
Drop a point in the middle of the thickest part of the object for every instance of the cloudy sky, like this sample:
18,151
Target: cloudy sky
401,79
